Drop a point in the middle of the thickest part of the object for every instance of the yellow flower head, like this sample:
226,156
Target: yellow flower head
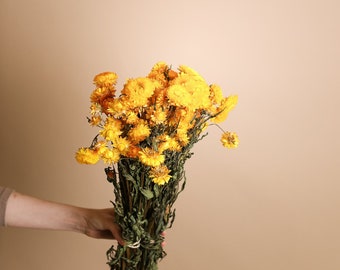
139,133
106,105
100,147
162,73
221,115
158,72
230,139
110,156
87,156
150,157
95,120
159,68
199,95
133,151
191,72
167,143
100,94
160,175
156,116
132,118
105,79
188,91
137,91
112,129
117,107
159,97
179,95
226,106
162,142
174,145
182,136
176,115
216,94
231,102
95,108
122,144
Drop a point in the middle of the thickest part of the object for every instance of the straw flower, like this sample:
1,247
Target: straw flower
87,156
160,175
151,157
230,139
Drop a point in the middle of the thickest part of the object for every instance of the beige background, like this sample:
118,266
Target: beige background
273,204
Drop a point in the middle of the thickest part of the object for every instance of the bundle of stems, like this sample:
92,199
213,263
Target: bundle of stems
144,210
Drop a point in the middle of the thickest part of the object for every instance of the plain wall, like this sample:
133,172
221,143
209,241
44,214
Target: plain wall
272,204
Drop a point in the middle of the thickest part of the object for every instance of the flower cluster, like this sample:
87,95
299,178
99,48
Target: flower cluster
153,115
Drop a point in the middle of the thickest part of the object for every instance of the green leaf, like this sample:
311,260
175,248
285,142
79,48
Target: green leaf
147,193
156,190
128,176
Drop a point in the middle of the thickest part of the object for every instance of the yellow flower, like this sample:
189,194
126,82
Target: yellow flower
160,175
150,157
221,115
216,94
177,115
105,79
139,133
191,72
167,143
187,119
189,92
112,129
133,151
173,145
159,97
95,108
132,118
100,147
226,106
179,95
156,115
87,156
158,72
117,107
231,102
137,91
107,104
100,94
110,156
162,73
122,144
159,68
182,136
200,95
181,79
230,139
162,142
95,120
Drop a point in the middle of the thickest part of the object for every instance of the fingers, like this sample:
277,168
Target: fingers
163,234
116,232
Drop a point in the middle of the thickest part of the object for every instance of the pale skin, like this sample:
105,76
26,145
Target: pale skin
30,212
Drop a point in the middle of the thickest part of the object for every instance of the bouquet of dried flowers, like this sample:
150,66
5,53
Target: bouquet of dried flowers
146,135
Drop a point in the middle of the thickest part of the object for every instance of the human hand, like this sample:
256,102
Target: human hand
99,223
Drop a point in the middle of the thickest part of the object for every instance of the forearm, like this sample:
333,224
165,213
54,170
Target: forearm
28,212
